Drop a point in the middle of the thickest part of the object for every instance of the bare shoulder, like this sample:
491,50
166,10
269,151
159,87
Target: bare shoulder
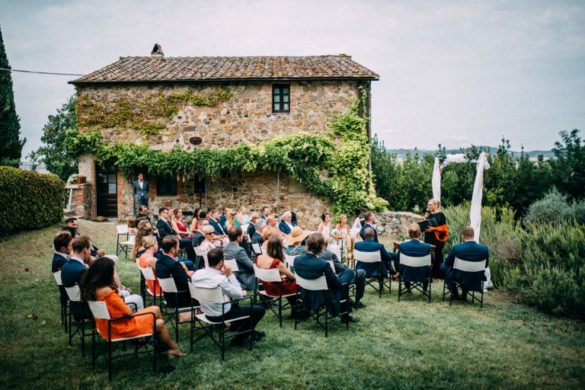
103,292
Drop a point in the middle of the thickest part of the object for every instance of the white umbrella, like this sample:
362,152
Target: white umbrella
475,211
437,180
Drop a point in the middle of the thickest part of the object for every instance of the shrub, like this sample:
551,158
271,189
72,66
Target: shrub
553,208
29,200
502,235
553,265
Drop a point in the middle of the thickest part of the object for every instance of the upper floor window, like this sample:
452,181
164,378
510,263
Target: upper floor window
281,98
166,186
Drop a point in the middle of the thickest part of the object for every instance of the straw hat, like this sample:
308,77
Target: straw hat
297,235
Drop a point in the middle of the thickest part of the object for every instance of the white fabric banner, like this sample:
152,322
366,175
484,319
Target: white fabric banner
437,180
475,211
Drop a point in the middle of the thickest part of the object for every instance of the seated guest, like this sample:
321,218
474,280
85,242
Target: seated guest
286,226
259,227
369,245
168,266
369,222
218,274
254,217
233,250
195,220
414,248
98,284
468,250
359,275
148,259
294,241
178,224
210,242
198,233
325,226
143,229
165,228
143,214
242,217
273,227
266,211
214,222
311,266
62,245
73,270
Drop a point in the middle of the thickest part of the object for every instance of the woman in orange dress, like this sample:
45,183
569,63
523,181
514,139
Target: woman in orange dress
98,284
147,259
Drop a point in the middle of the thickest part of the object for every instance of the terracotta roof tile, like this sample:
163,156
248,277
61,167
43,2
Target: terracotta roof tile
151,69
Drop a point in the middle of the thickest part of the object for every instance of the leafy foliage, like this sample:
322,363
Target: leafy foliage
54,154
148,115
568,168
10,142
336,167
29,200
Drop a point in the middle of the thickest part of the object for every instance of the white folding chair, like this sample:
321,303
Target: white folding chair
124,240
319,284
412,264
168,286
257,248
272,276
289,261
373,258
200,252
74,296
475,270
57,277
100,311
147,274
211,297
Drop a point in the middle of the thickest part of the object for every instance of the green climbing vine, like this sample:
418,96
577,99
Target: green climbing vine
147,115
334,165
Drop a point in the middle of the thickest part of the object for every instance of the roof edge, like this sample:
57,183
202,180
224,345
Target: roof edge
221,80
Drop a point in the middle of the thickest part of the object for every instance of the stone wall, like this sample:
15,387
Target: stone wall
81,200
394,224
245,118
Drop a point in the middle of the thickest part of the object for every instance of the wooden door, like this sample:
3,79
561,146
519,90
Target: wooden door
107,190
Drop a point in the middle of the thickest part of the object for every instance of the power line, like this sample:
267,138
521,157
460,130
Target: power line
39,72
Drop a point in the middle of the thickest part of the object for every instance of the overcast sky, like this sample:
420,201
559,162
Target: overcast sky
451,72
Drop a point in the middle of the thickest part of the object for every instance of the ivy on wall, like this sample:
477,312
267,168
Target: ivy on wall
335,165
146,115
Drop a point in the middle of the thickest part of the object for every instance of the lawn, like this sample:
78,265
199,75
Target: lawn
411,344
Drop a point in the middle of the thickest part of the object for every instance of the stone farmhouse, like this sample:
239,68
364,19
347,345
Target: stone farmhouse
269,97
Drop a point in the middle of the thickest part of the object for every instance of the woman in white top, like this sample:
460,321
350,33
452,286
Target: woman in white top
341,235
325,226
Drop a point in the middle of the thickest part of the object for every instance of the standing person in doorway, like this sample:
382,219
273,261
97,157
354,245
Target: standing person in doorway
140,188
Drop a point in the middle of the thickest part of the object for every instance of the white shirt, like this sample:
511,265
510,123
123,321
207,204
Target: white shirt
211,278
289,225
141,184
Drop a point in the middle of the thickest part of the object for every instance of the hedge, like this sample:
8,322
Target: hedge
29,200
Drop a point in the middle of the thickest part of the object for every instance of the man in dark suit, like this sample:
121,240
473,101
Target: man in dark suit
62,245
359,278
286,225
140,189
73,270
168,266
198,234
369,222
468,250
164,228
414,248
233,250
217,226
256,238
72,226
311,266
370,245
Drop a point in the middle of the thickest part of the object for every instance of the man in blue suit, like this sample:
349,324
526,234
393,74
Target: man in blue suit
217,226
73,271
62,244
369,222
233,250
468,250
370,245
414,248
359,275
311,266
286,225
168,266
140,188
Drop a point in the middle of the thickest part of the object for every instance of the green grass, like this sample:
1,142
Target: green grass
411,344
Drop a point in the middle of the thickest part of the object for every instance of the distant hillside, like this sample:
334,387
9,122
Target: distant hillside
533,153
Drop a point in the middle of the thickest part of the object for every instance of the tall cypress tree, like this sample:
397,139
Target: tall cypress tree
10,142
